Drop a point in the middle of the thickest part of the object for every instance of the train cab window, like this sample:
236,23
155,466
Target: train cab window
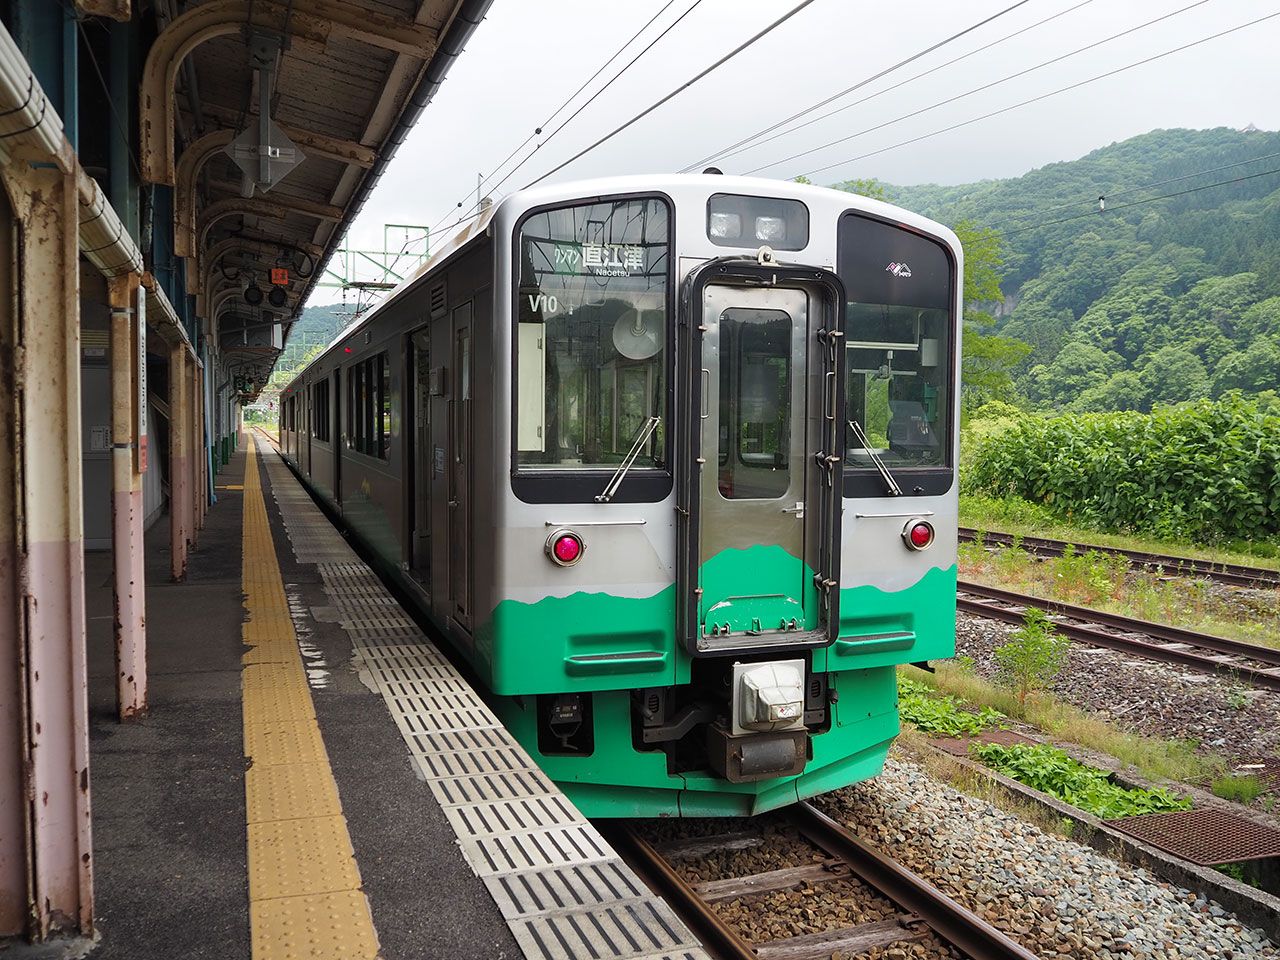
592,352
899,324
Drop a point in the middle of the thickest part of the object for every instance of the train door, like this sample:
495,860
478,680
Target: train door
459,468
420,502
761,482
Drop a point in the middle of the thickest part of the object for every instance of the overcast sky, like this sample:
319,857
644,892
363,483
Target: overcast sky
526,58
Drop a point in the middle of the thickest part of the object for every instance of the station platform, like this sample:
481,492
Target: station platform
315,779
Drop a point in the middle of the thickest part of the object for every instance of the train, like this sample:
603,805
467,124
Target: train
671,463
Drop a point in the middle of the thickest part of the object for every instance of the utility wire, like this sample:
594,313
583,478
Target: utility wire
671,26
742,146
1036,99
582,107
1135,203
1108,195
735,149
985,86
677,91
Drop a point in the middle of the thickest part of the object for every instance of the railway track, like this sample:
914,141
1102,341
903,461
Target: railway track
1229,573
1155,641
919,909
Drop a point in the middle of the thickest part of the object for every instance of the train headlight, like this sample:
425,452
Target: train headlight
564,547
771,229
724,226
918,534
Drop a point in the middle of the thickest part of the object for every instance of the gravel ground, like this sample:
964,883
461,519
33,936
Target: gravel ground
1158,699
1055,897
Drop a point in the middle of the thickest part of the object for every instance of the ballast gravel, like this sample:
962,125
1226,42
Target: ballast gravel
1055,897
1221,714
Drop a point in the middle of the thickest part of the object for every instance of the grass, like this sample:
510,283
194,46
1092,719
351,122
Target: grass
1107,582
1244,789
1153,757
1033,520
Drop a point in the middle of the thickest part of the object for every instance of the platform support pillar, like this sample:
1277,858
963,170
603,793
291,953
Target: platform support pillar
46,846
200,450
180,496
128,461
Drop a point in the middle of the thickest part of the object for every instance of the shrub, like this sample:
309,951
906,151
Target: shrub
1031,660
1205,470
1051,771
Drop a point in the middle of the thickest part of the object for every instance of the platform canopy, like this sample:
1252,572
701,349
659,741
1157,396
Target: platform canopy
273,120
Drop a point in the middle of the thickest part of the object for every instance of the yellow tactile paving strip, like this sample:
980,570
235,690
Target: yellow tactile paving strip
305,899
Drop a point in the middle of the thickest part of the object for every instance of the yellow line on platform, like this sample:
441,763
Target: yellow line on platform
305,899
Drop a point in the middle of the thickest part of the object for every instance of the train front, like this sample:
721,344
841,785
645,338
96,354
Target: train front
732,421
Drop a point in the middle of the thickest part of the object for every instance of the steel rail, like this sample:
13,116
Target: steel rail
1167,643
1230,573
960,927
716,935
921,902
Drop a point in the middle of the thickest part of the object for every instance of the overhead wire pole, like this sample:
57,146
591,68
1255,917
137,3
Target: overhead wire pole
1028,101
872,79
676,92
985,86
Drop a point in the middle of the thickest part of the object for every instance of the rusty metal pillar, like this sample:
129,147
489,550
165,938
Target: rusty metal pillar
180,505
46,870
128,461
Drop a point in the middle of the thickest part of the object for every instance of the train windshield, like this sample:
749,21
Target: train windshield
591,335
898,330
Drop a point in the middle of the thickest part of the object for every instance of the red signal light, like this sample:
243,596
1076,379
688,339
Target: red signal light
564,547
918,534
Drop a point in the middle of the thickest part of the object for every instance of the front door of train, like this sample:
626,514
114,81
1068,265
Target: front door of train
761,544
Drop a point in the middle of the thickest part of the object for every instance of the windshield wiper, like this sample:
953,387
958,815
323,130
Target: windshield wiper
642,437
894,489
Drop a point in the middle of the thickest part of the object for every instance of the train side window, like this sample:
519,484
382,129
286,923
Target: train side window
899,339
320,409
384,406
592,356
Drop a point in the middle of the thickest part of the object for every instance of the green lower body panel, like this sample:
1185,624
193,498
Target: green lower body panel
617,780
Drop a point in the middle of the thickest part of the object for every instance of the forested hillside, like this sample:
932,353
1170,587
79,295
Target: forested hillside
1154,299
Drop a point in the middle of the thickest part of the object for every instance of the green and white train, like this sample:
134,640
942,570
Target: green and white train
671,461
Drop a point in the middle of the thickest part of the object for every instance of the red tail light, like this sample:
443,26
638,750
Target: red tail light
564,547
918,534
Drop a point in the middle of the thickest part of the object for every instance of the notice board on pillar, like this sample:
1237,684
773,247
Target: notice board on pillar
141,409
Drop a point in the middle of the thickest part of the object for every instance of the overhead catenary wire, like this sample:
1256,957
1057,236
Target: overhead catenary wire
1111,194
736,148
982,87
677,91
656,40
750,143
1036,99
1135,203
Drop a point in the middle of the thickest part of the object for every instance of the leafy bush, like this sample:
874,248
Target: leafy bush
1051,771
1032,658
941,715
1206,470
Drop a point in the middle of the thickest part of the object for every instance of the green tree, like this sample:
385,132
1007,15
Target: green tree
1174,374
870,187
1033,657
1122,391
1253,370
